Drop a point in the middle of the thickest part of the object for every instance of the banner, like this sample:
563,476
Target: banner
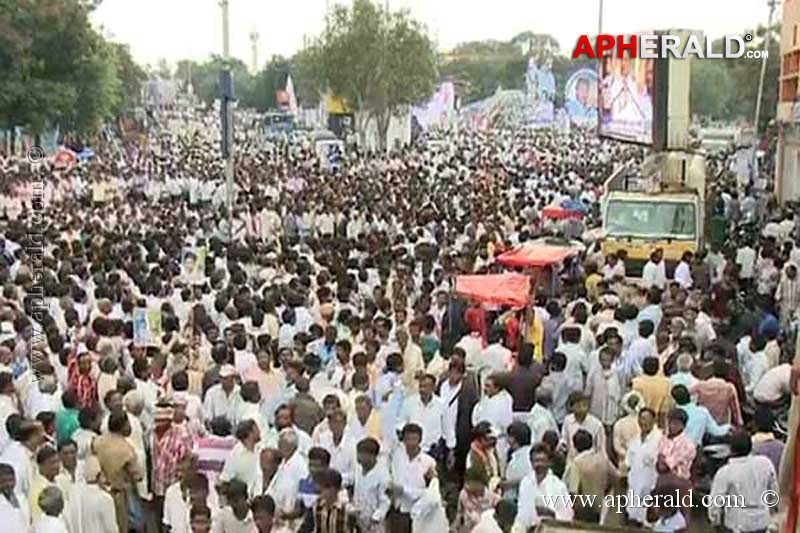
147,326
291,95
626,98
438,110
193,265
580,98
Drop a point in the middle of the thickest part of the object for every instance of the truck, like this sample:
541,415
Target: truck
661,204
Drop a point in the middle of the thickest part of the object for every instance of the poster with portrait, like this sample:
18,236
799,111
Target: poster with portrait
626,98
193,265
580,98
147,326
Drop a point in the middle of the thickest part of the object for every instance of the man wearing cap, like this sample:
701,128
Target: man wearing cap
222,398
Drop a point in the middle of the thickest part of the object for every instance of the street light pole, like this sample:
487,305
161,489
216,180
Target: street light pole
763,64
228,118
600,19
754,160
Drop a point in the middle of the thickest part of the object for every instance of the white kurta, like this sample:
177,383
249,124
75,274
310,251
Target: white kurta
90,509
498,411
642,476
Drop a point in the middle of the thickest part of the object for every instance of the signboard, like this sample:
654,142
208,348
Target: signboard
580,98
626,98
147,326
193,265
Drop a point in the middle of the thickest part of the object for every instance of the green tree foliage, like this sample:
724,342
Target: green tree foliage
271,79
378,61
131,76
483,66
727,88
54,67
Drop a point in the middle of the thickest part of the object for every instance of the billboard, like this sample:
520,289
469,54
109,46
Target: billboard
580,98
626,94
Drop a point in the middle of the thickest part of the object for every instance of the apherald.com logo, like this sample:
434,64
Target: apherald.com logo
655,46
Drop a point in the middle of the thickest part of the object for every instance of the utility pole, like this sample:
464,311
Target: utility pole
757,118
226,101
254,49
600,19
767,36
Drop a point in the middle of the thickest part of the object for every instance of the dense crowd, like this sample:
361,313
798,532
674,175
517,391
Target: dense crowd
305,364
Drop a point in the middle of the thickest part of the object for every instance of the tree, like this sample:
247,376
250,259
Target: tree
271,79
710,88
483,66
54,67
131,76
378,61
307,75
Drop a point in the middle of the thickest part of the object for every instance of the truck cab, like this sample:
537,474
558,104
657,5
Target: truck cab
660,205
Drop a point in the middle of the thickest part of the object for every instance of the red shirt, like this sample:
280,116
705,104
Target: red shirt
475,318
84,385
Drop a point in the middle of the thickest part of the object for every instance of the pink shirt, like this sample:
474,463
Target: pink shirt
678,452
720,398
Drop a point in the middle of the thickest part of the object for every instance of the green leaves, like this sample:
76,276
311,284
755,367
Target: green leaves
55,68
378,61
727,88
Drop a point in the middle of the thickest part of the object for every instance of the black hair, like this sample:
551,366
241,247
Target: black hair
369,446
220,426
244,429
411,428
764,419
117,421
330,479
521,433
180,381
681,394
319,454
678,414
582,440
45,453
558,362
741,443
650,366
263,504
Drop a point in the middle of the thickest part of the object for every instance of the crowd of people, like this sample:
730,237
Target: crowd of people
304,364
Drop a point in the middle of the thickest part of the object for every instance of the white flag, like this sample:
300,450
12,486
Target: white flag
292,97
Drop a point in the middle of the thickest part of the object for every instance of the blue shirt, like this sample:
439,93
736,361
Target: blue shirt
701,422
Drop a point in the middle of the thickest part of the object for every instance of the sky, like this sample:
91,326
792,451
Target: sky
178,29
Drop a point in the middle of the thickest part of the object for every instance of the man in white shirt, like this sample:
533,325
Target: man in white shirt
370,492
774,385
293,468
683,272
222,398
746,259
338,443
496,357
541,482
655,273
412,470
745,478
90,508
13,505
428,410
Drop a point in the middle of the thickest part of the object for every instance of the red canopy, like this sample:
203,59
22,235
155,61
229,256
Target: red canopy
536,255
496,289
559,213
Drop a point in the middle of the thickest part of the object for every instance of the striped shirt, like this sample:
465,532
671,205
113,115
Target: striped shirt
212,452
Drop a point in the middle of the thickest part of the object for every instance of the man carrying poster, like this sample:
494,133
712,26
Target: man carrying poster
146,327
